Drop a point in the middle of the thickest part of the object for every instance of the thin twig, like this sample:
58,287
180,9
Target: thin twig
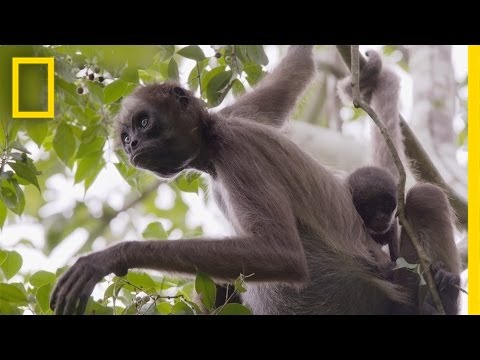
199,79
359,102
461,289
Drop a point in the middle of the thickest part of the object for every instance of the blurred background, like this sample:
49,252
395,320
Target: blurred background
65,190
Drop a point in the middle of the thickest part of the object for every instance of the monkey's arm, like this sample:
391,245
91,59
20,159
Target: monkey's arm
272,252
272,100
222,259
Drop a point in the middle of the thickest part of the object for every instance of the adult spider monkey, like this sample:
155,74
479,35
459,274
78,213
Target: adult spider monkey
297,231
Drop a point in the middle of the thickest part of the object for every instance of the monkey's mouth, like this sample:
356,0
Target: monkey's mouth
147,160
142,158
379,229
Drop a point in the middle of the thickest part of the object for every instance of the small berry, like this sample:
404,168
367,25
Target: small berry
97,70
218,55
91,77
101,78
80,90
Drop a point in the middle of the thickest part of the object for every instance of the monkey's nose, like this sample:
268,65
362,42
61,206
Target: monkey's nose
134,143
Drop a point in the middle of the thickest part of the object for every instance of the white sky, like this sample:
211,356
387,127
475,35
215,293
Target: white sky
111,187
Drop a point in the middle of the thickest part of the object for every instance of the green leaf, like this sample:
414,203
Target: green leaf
12,194
180,308
240,285
216,85
254,73
3,214
3,256
166,52
173,70
207,76
234,309
42,277
205,287
155,231
90,179
37,130
91,133
95,308
96,91
20,206
12,264
193,79
88,165
12,294
8,195
237,88
141,280
16,145
25,172
188,182
193,52
43,297
7,308
130,74
64,142
87,148
115,91
164,308
256,53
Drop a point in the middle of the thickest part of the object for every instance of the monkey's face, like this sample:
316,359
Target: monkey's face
378,213
158,130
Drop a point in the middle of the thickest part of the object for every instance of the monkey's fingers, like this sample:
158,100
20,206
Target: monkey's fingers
61,295
80,294
56,290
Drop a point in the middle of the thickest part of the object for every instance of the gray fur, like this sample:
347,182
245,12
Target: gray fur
297,230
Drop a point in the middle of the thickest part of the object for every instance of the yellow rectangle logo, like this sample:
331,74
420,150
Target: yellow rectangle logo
16,62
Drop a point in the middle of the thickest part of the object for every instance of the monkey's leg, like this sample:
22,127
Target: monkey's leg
429,213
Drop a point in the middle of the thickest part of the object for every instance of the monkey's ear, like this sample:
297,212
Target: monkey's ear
181,95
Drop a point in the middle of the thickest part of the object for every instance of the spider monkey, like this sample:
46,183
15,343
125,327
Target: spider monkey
297,233
374,189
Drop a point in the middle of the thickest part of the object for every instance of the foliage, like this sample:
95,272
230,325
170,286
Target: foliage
76,146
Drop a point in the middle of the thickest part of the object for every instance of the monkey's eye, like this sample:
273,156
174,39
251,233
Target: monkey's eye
144,122
126,139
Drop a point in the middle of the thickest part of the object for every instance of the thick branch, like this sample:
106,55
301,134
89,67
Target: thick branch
420,163
359,102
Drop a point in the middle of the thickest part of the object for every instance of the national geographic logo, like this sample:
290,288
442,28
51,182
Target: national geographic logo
30,96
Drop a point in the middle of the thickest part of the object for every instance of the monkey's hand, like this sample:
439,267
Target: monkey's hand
447,285
443,278
71,294
368,79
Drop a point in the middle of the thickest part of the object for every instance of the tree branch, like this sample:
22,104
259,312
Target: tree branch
422,167
359,102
